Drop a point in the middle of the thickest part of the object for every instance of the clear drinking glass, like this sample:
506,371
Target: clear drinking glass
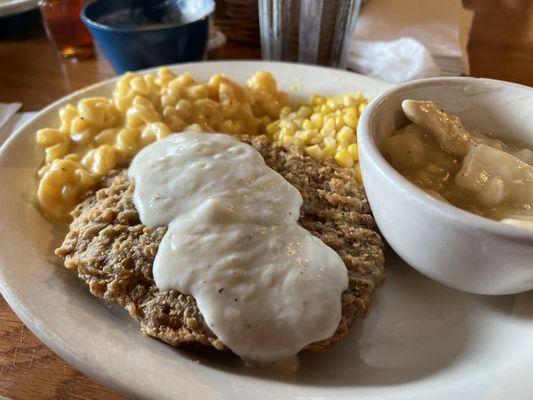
64,28
307,31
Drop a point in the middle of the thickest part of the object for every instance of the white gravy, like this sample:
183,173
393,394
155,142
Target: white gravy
265,286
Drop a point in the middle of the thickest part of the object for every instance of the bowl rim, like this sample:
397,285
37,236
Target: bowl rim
93,24
459,216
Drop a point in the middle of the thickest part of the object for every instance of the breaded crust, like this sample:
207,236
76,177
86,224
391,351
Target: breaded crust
113,252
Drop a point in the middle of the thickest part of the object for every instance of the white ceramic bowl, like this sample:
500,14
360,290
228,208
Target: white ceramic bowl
449,245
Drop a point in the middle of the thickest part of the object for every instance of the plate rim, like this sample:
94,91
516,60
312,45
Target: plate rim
17,7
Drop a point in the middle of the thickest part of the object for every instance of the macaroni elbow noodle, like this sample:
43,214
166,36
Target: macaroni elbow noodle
61,186
127,142
100,134
98,112
101,160
153,132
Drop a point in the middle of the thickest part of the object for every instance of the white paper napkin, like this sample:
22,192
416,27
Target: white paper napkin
7,110
393,61
10,121
393,39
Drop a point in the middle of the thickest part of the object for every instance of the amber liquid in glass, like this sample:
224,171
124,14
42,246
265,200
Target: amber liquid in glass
65,29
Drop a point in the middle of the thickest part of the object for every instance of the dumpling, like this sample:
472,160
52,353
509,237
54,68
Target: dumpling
452,136
496,176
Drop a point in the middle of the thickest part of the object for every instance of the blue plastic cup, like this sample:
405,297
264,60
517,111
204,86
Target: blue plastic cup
137,34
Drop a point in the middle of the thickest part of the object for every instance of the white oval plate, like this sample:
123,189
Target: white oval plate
421,340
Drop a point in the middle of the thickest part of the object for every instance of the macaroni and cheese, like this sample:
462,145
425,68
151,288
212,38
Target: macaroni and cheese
99,133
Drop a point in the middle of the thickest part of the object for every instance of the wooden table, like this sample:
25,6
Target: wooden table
501,47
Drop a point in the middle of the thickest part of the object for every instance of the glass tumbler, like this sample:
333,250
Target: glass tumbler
307,31
64,28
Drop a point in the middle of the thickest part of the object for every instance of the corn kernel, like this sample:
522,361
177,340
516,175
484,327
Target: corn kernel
315,139
344,158
357,173
272,128
284,113
339,123
307,125
349,117
298,121
324,108
329,125
315,151
358,97
304,111
348,100
317,120
345,136
287,130
330,146
298,141
288,124
287,139
354,151
332,104
317,100
304,136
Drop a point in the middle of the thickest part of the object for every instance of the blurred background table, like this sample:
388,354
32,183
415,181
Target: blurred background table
500,47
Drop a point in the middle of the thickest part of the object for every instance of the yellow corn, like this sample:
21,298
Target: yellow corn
344,158
305,111
330,146
349,117
317,100
325,127
357,172
304,136
318,120
287,130
307,125
345,136
272,128
315,151
285,111
354,151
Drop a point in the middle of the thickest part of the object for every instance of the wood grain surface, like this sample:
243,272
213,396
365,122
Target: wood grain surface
501,47
501,41
30,370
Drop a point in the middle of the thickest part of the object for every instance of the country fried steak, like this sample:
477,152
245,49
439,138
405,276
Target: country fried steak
113,252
